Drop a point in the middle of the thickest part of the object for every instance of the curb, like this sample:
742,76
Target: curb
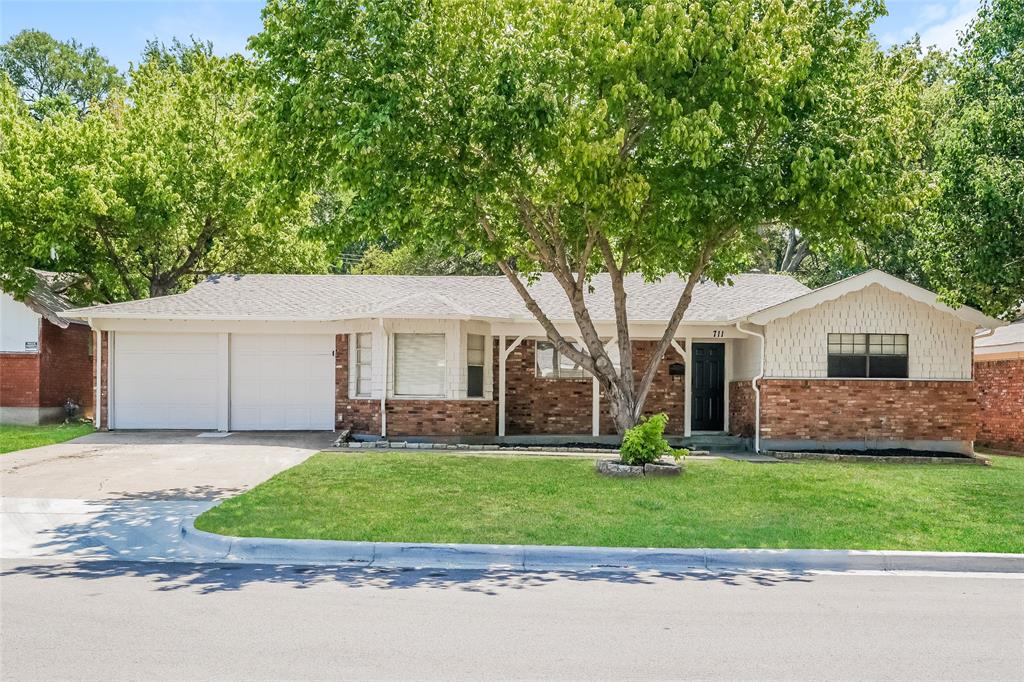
224,548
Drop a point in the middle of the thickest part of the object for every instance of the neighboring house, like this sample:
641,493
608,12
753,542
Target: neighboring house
999,376
45,358
871,361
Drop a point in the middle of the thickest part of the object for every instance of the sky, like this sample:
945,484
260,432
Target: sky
120,28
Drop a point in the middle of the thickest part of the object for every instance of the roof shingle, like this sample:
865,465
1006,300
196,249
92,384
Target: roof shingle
340,297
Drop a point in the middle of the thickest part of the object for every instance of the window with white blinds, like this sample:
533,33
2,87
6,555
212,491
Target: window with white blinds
419,365
364,365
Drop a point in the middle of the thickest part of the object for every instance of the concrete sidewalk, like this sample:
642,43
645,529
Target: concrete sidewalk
130,530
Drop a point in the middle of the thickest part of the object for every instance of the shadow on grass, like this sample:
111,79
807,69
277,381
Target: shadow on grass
214,578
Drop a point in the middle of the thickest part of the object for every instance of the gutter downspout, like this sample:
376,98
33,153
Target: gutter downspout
384,392
755,382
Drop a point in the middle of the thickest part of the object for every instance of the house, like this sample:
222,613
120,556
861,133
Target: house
871,361
45,358
999,377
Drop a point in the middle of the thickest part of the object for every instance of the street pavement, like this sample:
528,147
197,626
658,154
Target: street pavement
76,604
87,619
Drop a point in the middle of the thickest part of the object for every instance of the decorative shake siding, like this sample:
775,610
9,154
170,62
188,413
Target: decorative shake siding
940,344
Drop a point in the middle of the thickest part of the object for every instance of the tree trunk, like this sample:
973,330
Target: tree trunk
623,408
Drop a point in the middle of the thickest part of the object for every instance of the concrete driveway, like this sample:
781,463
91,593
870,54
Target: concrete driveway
154,465
123,495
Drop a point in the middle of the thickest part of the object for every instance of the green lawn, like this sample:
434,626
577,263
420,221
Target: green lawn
22,437
420,497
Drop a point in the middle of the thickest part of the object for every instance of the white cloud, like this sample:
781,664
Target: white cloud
944,34
936,22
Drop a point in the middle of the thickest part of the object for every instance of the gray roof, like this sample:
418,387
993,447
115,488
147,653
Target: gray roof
341,297
47,296
1004,336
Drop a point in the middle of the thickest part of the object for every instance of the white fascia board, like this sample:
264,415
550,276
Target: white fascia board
858,282
1016,347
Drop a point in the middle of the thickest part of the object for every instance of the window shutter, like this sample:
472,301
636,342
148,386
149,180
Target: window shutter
419,365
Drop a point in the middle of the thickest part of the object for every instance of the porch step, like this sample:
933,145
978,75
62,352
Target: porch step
716,443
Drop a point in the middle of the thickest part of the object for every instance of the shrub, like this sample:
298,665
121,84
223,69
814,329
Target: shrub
645,442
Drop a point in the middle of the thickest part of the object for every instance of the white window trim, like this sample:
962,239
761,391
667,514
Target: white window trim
483,366
557,376
394,368
357,367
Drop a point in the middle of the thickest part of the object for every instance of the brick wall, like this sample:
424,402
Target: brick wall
66,369
543,406
61,369
837,409
361,414
19,379
564,406
742,407
442,417
408,417
1000,386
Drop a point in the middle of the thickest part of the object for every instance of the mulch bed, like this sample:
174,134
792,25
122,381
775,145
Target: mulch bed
895,452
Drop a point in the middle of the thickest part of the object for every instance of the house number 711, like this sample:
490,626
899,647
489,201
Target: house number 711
718,334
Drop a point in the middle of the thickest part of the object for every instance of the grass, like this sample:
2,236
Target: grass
23,437
421,497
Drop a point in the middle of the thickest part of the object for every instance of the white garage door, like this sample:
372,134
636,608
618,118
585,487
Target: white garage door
282,382
165,381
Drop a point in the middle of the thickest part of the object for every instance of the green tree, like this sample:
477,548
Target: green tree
415,259
53,75
153,189
573,137
972,244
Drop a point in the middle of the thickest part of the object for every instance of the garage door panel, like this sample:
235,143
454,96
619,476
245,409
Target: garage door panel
165,381
282,382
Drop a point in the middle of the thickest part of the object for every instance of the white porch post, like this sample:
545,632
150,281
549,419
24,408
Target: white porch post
97,355
384,388
595,419
501,385
688,384
503,354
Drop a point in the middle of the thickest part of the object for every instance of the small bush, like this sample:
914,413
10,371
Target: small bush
645,442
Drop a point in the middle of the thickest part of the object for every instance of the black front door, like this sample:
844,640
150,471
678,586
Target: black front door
708,386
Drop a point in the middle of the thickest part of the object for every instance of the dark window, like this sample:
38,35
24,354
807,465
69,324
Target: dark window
878,356
475,388
475,366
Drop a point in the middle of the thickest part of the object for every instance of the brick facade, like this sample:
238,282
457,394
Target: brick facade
1000,385
542,406
361,414
66,369
536,406
442,417
851,410
742,408
19,379
61,369
408,417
